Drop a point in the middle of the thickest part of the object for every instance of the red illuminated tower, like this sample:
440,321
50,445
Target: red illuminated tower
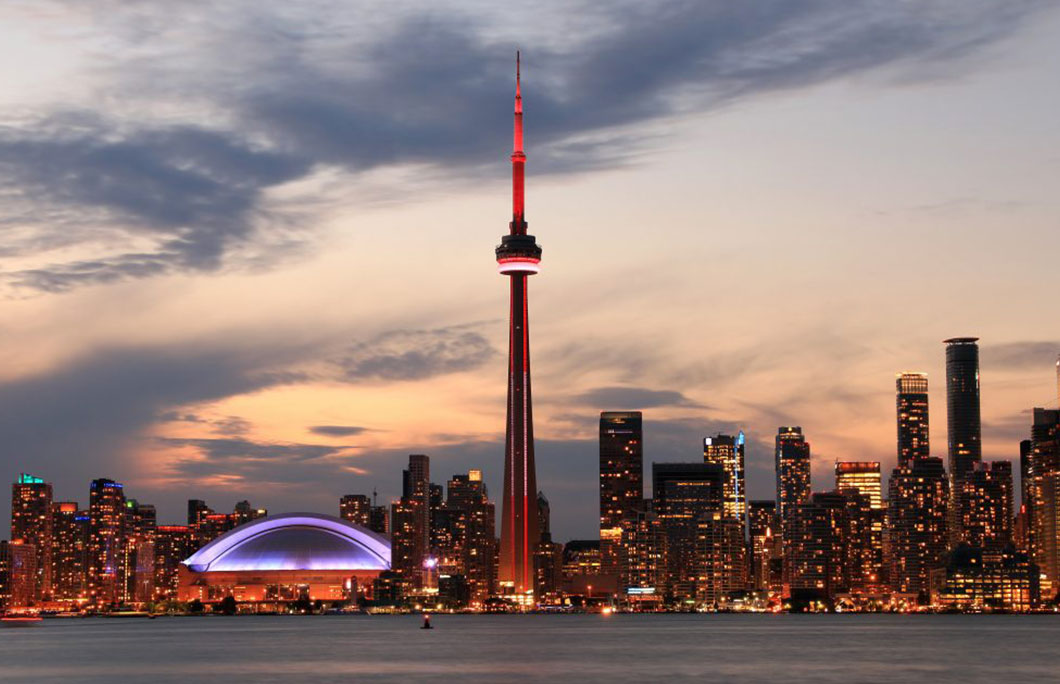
518,256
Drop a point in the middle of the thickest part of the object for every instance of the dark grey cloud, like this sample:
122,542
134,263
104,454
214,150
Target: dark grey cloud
81,420
337,430
424,87
1020,355
228,450
621,398
415,354
194,191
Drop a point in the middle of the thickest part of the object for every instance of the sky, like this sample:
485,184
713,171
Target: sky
247,247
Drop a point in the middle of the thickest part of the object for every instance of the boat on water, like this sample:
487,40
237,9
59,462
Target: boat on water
19,619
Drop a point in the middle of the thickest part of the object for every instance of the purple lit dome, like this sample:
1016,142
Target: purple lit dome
294,541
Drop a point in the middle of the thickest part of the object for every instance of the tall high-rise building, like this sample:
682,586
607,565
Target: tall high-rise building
1042,496
643,572
69,551
173,543
356,508
18,574
31,523
106,542
912,404
139,553
763,531
410,527
793,477
985,502
728,452
721,561
474,539
621,480
862,477
817,549
962,421
682,492
518,257
917,517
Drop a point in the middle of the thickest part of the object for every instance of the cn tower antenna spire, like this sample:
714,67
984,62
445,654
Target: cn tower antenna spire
518,226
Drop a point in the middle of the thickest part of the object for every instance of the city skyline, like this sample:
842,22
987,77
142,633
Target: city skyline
734,243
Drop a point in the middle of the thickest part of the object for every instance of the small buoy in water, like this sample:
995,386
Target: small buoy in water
426,622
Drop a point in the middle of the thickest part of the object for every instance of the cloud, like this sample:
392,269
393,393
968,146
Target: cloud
85,418
192,192
337,430
1020,355
261,96
617,398
231,449
415,354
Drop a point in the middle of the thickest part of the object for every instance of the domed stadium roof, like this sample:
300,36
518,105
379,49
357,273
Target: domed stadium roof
293,541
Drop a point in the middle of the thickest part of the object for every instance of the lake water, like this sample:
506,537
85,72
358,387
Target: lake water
778,649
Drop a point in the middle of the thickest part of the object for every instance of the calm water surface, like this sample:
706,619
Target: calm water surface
586,648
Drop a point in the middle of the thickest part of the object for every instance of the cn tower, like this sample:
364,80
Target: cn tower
518,256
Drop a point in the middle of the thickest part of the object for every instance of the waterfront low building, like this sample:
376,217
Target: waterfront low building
286,558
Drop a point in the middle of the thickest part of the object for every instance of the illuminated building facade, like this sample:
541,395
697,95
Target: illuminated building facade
817,547
728,452
18,575
410,521
173,543
976,581
106,542
581,558
643,572
964,429
518,257
682,492
69,551
917,519
862,477
721,560
474,545
864,553
763,530
285,558
31,523
139,552
985,502
912,404
1041,492
356,508
792,453
621,479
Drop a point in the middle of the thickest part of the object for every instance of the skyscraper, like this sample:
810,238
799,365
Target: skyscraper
793,477
69,550
355,508
985,500
410,529
763,532
912,404
917,518
106,542
621,480
962,422
721,560
682,492
862,477
475,540
31,523
727,451
518,256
